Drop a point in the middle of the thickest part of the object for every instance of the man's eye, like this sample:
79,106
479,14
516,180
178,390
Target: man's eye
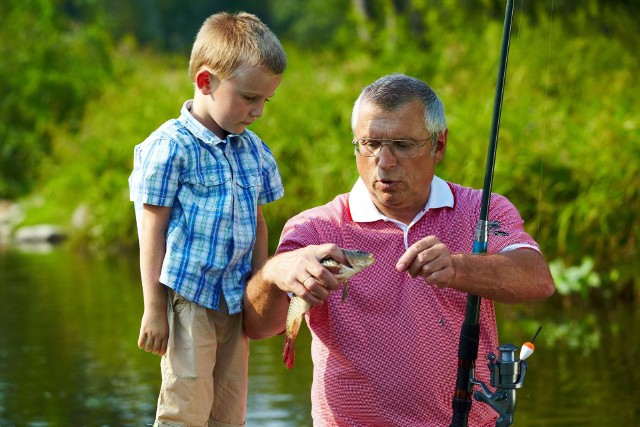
404,145
373,144
251,98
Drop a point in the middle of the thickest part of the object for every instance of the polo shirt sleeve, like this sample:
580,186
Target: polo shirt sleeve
506,227
272,187
298,232
156,170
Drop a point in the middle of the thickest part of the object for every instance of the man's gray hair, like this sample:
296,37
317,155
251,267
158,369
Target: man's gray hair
396,90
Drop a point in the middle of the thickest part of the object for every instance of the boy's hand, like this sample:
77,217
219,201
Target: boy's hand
154,331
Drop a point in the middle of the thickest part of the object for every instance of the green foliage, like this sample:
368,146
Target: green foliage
311,23
130,108
575,279
41,87
569,150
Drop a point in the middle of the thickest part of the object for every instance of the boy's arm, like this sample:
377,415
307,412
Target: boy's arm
261,247
154,328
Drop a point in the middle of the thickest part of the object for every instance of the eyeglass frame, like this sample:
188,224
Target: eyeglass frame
389,143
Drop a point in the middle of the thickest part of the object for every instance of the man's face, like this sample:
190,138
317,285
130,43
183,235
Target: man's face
398,187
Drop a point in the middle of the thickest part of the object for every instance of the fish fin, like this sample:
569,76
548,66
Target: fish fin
345,290
289,352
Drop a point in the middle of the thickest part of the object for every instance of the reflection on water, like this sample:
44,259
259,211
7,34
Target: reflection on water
68,354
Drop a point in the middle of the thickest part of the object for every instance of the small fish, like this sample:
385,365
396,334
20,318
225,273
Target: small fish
298,307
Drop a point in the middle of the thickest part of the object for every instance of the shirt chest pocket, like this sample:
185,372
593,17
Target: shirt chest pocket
209,189
247,188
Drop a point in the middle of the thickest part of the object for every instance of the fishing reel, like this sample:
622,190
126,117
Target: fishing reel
507,375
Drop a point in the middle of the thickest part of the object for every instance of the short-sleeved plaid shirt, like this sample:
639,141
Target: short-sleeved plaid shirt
387,356
213,187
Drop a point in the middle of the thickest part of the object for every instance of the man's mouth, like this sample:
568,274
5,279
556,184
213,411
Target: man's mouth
387,184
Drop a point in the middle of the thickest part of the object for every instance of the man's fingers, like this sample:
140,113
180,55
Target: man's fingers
330,250
312,290
410,257
425,261
306,294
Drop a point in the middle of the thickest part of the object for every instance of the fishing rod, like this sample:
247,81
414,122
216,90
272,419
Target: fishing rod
470,332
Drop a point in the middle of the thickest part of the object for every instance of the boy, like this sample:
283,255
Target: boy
198,183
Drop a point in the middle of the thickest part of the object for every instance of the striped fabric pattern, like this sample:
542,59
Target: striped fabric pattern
213,187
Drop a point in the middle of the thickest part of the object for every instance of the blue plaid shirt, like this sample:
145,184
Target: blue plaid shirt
213,187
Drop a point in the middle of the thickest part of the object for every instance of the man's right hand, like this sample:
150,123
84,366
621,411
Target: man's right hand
300,272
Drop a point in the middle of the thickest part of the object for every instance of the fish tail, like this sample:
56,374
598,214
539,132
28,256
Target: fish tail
289,348
289,351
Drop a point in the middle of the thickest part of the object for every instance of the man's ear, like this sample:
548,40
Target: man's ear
206,82
441,145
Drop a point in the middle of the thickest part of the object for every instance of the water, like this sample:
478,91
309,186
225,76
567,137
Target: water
68,354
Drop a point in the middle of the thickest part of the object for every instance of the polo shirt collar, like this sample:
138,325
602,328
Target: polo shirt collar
362,208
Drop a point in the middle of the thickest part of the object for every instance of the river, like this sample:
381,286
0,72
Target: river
68,354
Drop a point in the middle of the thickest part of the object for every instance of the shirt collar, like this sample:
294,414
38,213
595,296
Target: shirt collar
362,208
198,129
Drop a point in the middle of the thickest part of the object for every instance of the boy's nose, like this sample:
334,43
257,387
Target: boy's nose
257,111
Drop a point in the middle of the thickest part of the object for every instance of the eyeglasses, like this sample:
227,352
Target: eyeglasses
401,148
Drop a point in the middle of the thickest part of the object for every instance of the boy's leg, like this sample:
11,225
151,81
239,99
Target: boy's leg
230,373
186,395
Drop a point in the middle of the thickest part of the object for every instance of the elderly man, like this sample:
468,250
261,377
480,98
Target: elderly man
387,355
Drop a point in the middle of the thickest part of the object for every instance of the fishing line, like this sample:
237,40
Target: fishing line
520,21
545,119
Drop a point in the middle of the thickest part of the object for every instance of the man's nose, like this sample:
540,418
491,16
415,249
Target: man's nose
386,158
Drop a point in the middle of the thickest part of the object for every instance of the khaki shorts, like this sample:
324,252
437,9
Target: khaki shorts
204,372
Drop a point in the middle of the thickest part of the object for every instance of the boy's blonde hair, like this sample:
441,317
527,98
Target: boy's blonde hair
226,42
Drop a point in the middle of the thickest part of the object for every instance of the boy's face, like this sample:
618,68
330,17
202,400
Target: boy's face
237,101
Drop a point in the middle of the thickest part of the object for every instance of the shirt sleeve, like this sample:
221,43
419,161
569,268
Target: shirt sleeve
272,187
298,232
506,227
157,166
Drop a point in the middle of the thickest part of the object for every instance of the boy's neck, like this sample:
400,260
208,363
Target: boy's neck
200,114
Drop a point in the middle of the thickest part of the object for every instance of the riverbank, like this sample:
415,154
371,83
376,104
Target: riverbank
12,233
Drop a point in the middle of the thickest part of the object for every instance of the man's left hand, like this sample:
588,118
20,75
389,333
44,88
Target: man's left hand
430,258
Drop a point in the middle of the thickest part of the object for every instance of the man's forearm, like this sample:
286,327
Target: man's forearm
265,308
511,277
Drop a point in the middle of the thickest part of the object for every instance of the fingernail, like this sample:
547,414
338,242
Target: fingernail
401,266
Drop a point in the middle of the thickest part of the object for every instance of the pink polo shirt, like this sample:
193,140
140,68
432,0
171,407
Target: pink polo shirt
387,356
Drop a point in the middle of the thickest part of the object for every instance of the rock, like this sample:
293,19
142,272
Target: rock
10,216
39,233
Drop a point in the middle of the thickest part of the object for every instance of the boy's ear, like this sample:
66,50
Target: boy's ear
206,82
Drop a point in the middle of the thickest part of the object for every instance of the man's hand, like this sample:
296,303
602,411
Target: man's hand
431,259
300,272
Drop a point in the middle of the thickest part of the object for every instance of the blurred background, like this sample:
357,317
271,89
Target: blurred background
83,81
